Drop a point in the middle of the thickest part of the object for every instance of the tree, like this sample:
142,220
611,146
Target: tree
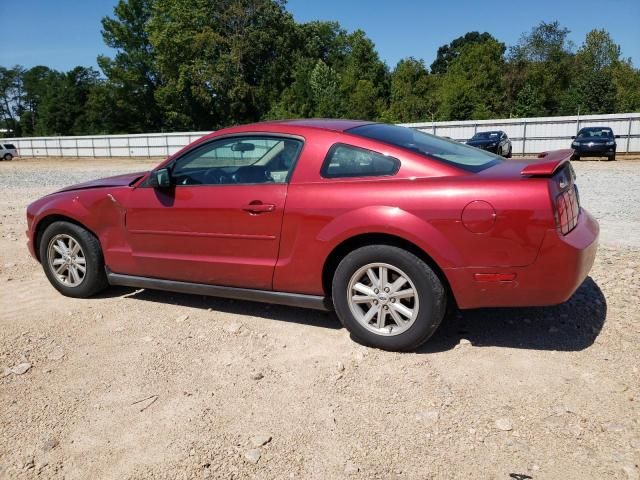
449,52
38,83
472,87
324,88
543,60
221,62
11,97
363,78
132,74
63,109
595,90
412,92
627,82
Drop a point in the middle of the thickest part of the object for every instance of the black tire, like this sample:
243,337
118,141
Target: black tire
611,158
509,153
8,157
95,278
431,292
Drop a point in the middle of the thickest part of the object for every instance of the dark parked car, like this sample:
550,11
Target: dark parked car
595,142
495,142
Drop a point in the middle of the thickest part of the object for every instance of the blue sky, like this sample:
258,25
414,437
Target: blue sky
65,33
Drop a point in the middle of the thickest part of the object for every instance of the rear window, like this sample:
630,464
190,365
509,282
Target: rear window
349,161
9,146
447,151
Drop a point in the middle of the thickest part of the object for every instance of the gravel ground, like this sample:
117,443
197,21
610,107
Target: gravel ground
143,384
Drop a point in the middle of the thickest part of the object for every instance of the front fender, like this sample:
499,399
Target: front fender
97,210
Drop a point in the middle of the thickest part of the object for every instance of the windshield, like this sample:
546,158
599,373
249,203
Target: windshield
486,136
595,132
449,151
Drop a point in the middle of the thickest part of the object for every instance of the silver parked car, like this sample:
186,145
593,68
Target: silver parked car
8,151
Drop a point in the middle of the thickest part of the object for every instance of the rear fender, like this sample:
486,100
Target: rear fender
392,221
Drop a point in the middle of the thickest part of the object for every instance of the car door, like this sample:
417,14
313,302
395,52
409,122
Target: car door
220,221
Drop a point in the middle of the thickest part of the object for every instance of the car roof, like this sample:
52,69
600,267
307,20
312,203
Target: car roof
336,125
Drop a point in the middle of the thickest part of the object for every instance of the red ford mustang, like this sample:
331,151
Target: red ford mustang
385,224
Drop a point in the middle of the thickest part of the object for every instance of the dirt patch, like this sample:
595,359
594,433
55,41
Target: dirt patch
143,384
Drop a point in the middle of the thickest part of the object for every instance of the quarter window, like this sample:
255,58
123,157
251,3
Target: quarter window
349,161
238,160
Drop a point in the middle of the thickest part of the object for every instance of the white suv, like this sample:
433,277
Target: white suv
8,151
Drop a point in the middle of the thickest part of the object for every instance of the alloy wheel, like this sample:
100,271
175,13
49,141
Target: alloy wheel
67,260
383,299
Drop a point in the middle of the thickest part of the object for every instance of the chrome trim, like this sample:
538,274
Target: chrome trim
315,302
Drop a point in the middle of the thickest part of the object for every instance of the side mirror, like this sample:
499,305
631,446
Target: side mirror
160,178
573,136
617,136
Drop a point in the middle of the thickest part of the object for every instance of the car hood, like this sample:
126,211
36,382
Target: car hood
116,181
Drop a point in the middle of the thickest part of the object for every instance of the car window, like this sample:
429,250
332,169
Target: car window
595,132
486,136
238,160
430,146
9,146
349,161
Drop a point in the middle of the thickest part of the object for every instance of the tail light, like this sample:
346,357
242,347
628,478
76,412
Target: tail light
567,200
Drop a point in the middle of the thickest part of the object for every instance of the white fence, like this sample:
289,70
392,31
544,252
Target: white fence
139,145
528,136
535,135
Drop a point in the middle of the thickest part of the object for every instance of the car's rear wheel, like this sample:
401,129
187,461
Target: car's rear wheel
8,157
388,298
611,157
72,260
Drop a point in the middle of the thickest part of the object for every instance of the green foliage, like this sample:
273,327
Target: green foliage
472,86
412,93
133,73
448,53
205,64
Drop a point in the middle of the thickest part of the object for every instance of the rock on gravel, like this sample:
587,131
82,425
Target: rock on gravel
257,376
21,368
351,468
259,440
56,354
252,456
428,417
232,328
50,444
631,472
182,318
504,424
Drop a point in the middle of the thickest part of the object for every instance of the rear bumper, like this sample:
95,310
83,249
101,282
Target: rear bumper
562,264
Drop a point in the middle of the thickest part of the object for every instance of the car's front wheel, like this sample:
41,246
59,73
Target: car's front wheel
8,157
388,298
72,260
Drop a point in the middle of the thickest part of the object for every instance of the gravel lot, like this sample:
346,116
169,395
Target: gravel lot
142,384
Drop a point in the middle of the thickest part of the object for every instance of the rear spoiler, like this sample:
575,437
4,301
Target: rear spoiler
549,164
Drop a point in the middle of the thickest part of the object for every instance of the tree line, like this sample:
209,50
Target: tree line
206,64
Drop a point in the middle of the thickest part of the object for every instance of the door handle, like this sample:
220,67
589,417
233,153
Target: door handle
258,207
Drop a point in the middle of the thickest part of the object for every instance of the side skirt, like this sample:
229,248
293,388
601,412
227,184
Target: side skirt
314,302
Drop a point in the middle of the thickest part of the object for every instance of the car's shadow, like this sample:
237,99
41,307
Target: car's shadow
571,326
236,307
